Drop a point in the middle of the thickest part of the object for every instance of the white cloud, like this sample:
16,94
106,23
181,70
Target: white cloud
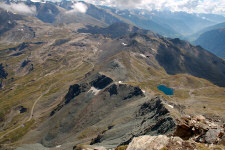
19,8
78,7
36,0
191,6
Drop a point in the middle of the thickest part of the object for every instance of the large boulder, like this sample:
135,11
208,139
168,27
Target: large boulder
212,136
148,142
199,129
159,143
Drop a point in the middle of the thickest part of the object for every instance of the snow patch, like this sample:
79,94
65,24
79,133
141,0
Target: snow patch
124,44
142,55
58,146
94,90
170,106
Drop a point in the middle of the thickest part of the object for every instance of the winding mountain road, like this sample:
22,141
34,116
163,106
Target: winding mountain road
32,109
31,113
37,100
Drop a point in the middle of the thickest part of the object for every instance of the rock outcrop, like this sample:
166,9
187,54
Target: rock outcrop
25,68
3,74
150,118
98,82
200,129
160,142
189,133
163,142
101,82
115,30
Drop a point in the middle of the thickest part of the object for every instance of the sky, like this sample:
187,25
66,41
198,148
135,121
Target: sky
190,6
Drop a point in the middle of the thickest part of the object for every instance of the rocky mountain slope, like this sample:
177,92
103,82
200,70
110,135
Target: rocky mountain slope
112,95
214,27
174,55
169,24
116,30
213,41
59,14
7,20
74,86
11,30
96,12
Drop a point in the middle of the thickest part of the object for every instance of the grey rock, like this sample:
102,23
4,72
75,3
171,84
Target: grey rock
212,135
222,142
151,118
160,142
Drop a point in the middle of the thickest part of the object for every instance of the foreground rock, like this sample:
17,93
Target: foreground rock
159,142
200,129
163,142
150,118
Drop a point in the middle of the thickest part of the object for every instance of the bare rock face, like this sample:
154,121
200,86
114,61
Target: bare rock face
101,82
222,142
150,118
212,135
199,129
25,68
148,142
200,118
159,142
3,74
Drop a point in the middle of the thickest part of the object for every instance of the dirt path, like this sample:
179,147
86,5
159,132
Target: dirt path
32,110
37,100
11,131
31,113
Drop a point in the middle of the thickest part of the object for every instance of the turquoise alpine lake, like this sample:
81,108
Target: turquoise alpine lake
165,89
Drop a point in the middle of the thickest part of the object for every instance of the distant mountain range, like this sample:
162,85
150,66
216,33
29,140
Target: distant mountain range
213,40
11,30
166,23
116,30
171,24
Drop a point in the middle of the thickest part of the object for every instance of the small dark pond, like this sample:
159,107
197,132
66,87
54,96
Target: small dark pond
166,90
